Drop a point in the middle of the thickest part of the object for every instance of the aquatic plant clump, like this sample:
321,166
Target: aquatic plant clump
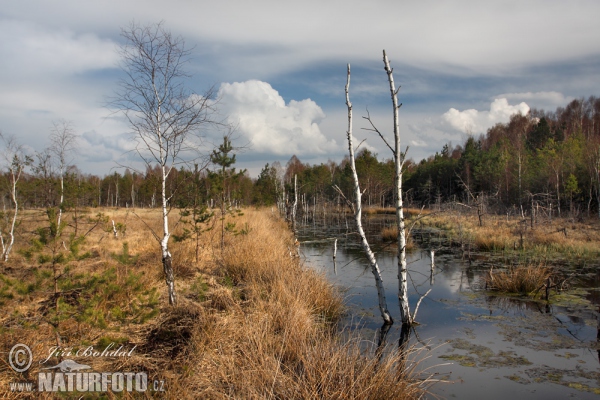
521,279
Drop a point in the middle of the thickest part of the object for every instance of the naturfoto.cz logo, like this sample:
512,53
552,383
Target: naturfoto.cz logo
69,375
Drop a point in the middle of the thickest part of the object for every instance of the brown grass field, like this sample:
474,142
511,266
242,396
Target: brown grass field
251,321
547,239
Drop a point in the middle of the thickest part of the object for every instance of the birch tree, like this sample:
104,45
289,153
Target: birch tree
357,208
15,161
63,143
399,159
165,116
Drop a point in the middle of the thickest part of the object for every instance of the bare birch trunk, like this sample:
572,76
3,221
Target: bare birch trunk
399,161
11,233
334,249
358,214
62,195
164,244
295,205
63,145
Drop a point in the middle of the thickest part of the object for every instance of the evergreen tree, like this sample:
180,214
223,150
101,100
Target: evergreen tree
222,178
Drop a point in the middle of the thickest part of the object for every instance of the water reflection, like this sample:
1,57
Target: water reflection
547,335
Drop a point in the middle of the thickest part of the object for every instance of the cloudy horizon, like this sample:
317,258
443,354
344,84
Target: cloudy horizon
279,69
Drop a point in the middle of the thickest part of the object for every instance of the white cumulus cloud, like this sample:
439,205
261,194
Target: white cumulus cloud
272,126
474,121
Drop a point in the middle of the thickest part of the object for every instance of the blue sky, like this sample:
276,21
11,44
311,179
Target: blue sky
280,69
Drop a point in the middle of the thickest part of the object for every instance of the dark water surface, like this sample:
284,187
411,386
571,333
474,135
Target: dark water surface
487,346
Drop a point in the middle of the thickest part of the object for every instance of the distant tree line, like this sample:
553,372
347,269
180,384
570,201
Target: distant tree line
542,159
126,189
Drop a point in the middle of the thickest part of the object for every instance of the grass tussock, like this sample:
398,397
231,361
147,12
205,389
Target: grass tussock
390,234
251,322
522,279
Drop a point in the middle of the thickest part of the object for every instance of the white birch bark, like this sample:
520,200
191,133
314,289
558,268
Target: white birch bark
11,233
334,249
62,195
63,145
399,161
358,214
16,162
164,243
114,228
295,205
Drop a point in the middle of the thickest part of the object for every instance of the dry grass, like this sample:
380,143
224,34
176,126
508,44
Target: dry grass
408,212
378,210
499,234
390,234
522,279
251,321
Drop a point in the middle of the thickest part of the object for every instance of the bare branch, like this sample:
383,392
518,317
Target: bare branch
360,144
414,316
148,226
348,202
374,128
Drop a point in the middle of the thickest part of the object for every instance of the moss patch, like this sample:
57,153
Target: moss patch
482,356
577,378
572,298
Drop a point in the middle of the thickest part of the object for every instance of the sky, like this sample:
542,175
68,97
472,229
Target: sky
279,69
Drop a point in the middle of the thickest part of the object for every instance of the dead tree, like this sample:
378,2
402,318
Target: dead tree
479,200
295,204
399,164
357,209
399,158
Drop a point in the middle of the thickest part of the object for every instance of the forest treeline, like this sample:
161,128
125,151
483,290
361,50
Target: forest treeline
542,159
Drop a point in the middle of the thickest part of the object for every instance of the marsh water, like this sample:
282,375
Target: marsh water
484,345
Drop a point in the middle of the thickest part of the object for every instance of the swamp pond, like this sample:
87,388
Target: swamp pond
484,344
